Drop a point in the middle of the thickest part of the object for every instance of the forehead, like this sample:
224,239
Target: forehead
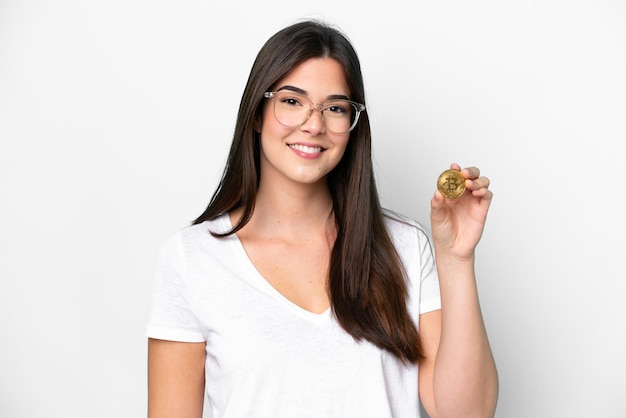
318,78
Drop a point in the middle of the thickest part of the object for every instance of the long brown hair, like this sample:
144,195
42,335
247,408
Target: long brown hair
367,284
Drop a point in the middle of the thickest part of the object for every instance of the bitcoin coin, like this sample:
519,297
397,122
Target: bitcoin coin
451,184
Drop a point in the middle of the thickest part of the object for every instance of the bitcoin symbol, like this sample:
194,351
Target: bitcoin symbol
451,184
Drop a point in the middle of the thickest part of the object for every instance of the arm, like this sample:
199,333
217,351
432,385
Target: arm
458,377
175,379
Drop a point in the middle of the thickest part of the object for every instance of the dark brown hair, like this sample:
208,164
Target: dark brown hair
367,284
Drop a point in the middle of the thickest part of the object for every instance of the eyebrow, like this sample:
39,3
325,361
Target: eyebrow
304,93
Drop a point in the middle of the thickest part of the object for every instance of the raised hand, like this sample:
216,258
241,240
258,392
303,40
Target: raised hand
457,224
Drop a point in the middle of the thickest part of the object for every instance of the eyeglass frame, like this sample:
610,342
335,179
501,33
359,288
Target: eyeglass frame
359,107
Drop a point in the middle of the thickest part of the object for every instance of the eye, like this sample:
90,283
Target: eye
337,108
291,100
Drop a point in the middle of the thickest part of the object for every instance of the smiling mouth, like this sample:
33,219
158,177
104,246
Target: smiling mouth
306,149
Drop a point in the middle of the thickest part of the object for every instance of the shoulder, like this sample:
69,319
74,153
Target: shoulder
405,231
193,239
413,245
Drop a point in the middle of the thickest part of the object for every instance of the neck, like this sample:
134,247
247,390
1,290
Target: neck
291,211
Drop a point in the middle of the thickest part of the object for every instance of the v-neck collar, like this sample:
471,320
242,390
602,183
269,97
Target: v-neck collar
260,282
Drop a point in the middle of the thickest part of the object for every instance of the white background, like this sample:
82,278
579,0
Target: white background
116,117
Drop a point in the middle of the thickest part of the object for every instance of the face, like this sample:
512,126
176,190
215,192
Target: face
304,154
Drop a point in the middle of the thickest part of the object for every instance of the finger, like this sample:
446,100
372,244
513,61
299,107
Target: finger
438,199
436,206
479,183
470,172
483,192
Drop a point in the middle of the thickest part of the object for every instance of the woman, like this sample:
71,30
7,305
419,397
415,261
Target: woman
294,294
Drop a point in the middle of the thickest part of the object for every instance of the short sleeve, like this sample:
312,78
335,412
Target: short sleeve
415,249
430,299
172,315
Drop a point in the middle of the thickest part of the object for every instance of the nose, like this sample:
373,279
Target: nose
314,124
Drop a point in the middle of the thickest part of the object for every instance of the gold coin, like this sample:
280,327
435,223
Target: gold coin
451,184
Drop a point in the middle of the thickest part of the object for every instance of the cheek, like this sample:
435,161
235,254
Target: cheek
342,145
269,126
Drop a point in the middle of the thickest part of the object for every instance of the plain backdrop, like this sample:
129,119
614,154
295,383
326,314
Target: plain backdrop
115,121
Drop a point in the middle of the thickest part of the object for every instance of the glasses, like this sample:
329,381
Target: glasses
293,109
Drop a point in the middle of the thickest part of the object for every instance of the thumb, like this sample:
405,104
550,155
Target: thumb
437,203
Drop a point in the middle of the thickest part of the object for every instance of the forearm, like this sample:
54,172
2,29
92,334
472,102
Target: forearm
465,382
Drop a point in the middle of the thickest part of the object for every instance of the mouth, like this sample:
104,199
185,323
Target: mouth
306,148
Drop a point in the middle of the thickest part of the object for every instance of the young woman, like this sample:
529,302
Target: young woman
294,294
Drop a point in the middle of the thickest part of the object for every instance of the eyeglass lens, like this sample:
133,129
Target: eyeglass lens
293,110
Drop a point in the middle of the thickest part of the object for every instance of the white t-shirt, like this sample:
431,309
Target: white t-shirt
265,356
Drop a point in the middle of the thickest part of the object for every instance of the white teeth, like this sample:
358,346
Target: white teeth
307,149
